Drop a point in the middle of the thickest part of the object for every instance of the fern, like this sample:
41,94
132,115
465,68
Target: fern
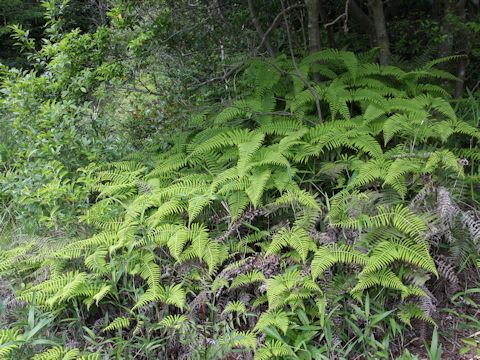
384,277
290,288
296,238
397,171
149,270
276,318
247,279
60,289
237,203
9,342
237,307
404,250
297,196
239,339
173,294
272,349
330,255
174,321
96,262
412,311
258,183
61,353
118,323
399,217
250,205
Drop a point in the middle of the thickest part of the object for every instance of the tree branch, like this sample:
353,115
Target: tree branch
275,22
225,76
258,27
344,15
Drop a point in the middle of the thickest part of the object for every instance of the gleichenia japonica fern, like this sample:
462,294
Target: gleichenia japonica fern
61,353
269,200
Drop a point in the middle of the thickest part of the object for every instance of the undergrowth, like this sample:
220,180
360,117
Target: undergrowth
308,219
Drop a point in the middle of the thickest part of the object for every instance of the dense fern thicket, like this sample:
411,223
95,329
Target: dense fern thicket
323,213
174,186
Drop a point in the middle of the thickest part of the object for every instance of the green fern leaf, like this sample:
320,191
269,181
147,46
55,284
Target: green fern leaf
258,182
120,322
329,255
276,318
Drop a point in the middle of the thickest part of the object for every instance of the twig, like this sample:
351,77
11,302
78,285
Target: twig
143,91
275,21
476,85
217,78
259,29
344,15
334,21
262,42
412,155
248,215
345,24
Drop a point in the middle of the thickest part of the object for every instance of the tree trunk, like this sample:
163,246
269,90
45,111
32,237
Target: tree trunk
446,47
314,38
381,34
454,34
363,20
263,37
464,49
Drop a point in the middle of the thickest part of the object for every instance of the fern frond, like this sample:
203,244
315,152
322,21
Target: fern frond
384,277
239,339
330,255
149,270
223,139
296,238
174,295
9,342
246,151
397,171
248,278
412,311
298,196
196,204
174,321
444,159
96,262
258,183
401,217
272,349
405,250
237,201
235,307
120,322
57,353
276,318
375,169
